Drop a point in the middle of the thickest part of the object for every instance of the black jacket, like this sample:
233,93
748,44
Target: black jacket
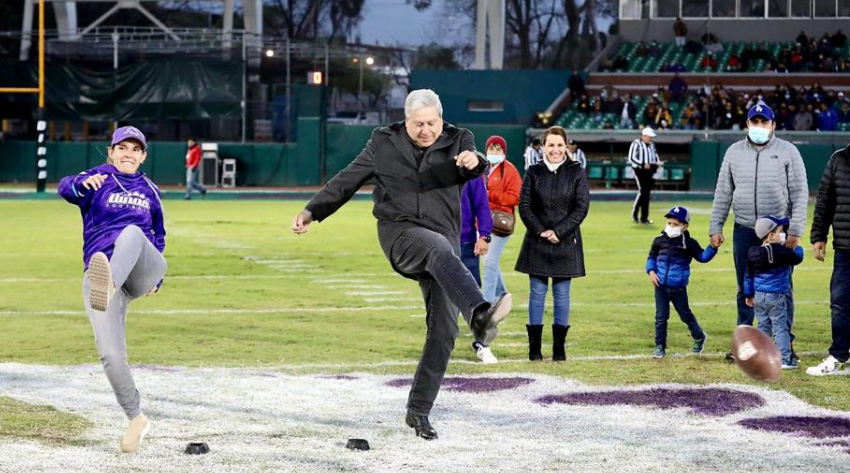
556,201
414,186
833,202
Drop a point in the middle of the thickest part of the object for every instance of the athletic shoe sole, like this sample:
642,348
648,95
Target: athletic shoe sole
100,277
141,438
503,308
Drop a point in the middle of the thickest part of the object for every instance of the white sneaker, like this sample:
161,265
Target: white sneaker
486,355
136,431
100,277
830,366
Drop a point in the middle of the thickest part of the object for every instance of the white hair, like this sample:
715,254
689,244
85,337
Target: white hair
420,99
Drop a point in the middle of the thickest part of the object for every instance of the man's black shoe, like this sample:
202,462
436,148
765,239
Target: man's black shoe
487,319
729,357
421,425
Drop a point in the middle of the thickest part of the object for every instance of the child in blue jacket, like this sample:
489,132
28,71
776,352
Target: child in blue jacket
669,268
767,283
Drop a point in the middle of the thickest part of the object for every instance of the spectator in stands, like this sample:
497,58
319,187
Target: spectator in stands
643,157
576,85
825,45
733,64
598,112
664,118
554,202
621,63
532,153
641,50
677,67
797,63
726,118
583,106
666,67
576,154
693,47
839,40
804,120
628,113
827,118
802,38
838,100
614,104
816,92
680,31
789,119
193,164
649,113
708,62
691,117
678,88
654,50
843,113
661,94
782,118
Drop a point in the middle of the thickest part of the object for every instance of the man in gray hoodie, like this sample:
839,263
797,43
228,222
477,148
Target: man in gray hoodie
760,175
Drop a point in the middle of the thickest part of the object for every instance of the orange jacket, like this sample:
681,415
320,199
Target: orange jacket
503,186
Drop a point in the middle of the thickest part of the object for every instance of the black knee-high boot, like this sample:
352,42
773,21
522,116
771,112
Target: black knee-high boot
559,339
535,333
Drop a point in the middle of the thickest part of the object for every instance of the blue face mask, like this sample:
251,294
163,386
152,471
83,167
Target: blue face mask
495,158
758,135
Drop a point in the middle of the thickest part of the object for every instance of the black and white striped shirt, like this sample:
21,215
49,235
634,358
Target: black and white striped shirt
642,153
581,158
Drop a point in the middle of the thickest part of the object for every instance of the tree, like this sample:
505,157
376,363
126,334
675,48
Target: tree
311,19
434,56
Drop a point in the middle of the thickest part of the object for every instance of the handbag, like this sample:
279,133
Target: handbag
503,223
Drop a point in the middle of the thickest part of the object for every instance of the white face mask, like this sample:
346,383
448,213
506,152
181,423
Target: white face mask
782,238
495,158
673,232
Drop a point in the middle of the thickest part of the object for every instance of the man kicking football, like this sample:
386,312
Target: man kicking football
419,166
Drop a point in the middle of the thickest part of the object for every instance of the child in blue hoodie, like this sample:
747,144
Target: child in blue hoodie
123,241
669,268
767,283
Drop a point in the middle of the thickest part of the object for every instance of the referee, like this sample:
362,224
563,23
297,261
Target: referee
644,160
576,154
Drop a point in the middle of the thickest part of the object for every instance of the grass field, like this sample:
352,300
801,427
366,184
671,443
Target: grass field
243,292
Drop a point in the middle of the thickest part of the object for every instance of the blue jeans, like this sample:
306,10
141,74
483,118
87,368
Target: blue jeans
192,182
771,309
743,239
494,284
839,302
470,260
664,295
537,300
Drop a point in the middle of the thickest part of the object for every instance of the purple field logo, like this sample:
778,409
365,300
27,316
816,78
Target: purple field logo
709,401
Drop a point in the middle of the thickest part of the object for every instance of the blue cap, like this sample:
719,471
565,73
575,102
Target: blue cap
679,213
760,109
767,223
129,133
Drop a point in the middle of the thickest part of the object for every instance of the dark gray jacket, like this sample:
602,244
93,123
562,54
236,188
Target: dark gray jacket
556,201
414,186
833,204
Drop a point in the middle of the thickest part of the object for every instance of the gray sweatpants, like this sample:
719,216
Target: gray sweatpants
137,266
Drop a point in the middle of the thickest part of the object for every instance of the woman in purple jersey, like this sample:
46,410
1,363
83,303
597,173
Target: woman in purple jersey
123,241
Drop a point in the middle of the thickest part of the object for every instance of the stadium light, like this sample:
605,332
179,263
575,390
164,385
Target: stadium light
370,61
269,52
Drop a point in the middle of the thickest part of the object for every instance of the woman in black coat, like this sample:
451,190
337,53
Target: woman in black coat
553,203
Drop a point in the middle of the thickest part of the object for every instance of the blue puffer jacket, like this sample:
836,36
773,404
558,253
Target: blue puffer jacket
670,258
769,268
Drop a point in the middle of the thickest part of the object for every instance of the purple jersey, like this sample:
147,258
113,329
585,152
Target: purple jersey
124,199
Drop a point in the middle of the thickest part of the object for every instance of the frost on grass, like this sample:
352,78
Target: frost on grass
471,385
814,427
708,401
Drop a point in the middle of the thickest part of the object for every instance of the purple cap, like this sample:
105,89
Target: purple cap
129,133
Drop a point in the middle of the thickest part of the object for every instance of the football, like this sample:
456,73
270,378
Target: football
756,354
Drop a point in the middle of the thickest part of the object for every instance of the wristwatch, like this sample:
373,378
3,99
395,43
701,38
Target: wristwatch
486,238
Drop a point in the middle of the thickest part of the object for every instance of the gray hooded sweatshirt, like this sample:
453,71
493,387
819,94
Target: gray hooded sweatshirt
755,183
